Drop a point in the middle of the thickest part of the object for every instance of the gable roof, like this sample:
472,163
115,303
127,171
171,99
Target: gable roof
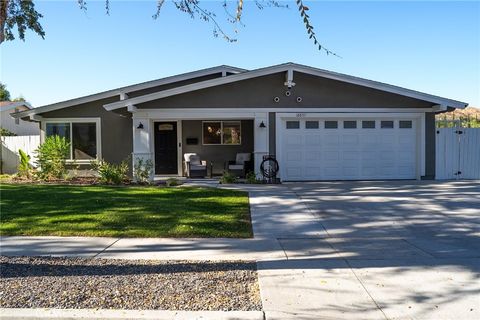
286,67
238,74
131,88
9,105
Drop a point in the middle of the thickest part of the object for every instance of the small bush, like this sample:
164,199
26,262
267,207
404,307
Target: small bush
228,178
142,170
251,178
111,173
52,157
24,168
172,182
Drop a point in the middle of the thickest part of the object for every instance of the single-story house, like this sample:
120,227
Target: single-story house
320,125
17,126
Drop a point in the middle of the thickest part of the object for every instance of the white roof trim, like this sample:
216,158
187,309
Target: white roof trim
125,90
284,68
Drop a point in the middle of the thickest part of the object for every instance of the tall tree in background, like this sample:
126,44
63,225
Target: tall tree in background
4,94
22,14
19,13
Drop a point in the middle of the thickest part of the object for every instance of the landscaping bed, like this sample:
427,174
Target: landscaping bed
123,211
45,282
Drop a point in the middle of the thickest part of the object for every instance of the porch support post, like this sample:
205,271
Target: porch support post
260,146
141,142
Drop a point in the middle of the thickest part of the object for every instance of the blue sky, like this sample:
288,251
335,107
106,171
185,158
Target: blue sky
432,47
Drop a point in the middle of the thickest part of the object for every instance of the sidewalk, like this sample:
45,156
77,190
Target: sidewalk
144,248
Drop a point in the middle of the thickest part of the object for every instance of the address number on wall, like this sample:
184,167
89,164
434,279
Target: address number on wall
301,115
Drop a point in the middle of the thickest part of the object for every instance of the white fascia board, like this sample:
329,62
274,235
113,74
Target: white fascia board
285,68
123,91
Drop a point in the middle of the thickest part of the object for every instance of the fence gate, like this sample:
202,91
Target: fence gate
457,153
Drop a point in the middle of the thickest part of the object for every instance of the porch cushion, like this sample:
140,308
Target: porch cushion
197,167
242,157
193,158
235,167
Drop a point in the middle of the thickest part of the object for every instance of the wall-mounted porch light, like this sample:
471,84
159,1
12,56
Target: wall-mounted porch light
262,125
140,126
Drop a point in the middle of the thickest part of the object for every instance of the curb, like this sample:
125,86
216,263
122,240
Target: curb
107,314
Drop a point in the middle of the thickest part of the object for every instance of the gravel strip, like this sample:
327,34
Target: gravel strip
47,282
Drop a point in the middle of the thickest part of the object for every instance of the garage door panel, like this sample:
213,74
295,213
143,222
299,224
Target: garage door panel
313,140
294,140
348,152
331,155
294,156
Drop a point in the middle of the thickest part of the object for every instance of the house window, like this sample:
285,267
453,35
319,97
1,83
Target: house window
387,124
222,132
82,135
405,124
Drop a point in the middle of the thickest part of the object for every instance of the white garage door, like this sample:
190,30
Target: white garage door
348,149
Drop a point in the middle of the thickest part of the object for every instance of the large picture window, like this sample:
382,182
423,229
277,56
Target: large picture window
222,132
82,135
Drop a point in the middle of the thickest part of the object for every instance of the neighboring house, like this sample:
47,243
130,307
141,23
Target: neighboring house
320,125
17,126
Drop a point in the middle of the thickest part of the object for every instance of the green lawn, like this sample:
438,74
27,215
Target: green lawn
63,210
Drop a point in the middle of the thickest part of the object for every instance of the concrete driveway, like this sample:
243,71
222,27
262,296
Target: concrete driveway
372,250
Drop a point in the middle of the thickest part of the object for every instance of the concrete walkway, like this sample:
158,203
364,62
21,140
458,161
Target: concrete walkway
143,248
371,250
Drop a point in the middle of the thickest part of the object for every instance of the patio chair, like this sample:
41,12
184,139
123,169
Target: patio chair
241,165
194,167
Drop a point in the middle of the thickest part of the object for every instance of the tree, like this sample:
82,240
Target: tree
22,13
4,94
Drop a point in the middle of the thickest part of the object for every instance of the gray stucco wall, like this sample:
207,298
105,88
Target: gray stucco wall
116,129
218,153
259,92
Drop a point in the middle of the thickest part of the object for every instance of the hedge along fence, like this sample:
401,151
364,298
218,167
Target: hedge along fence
459,118
10,146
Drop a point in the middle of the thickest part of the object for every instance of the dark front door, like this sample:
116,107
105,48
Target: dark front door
166,148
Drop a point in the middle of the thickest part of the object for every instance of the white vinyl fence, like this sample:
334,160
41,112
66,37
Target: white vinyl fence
10,146
457,153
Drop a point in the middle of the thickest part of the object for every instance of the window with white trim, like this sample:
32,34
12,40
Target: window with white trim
82,135
222,132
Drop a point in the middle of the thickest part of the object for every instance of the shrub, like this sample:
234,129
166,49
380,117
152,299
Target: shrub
142,170
111,173
228,178
24,168
6,133
251,178
52,157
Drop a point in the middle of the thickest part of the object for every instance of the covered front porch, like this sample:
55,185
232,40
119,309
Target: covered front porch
216,136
